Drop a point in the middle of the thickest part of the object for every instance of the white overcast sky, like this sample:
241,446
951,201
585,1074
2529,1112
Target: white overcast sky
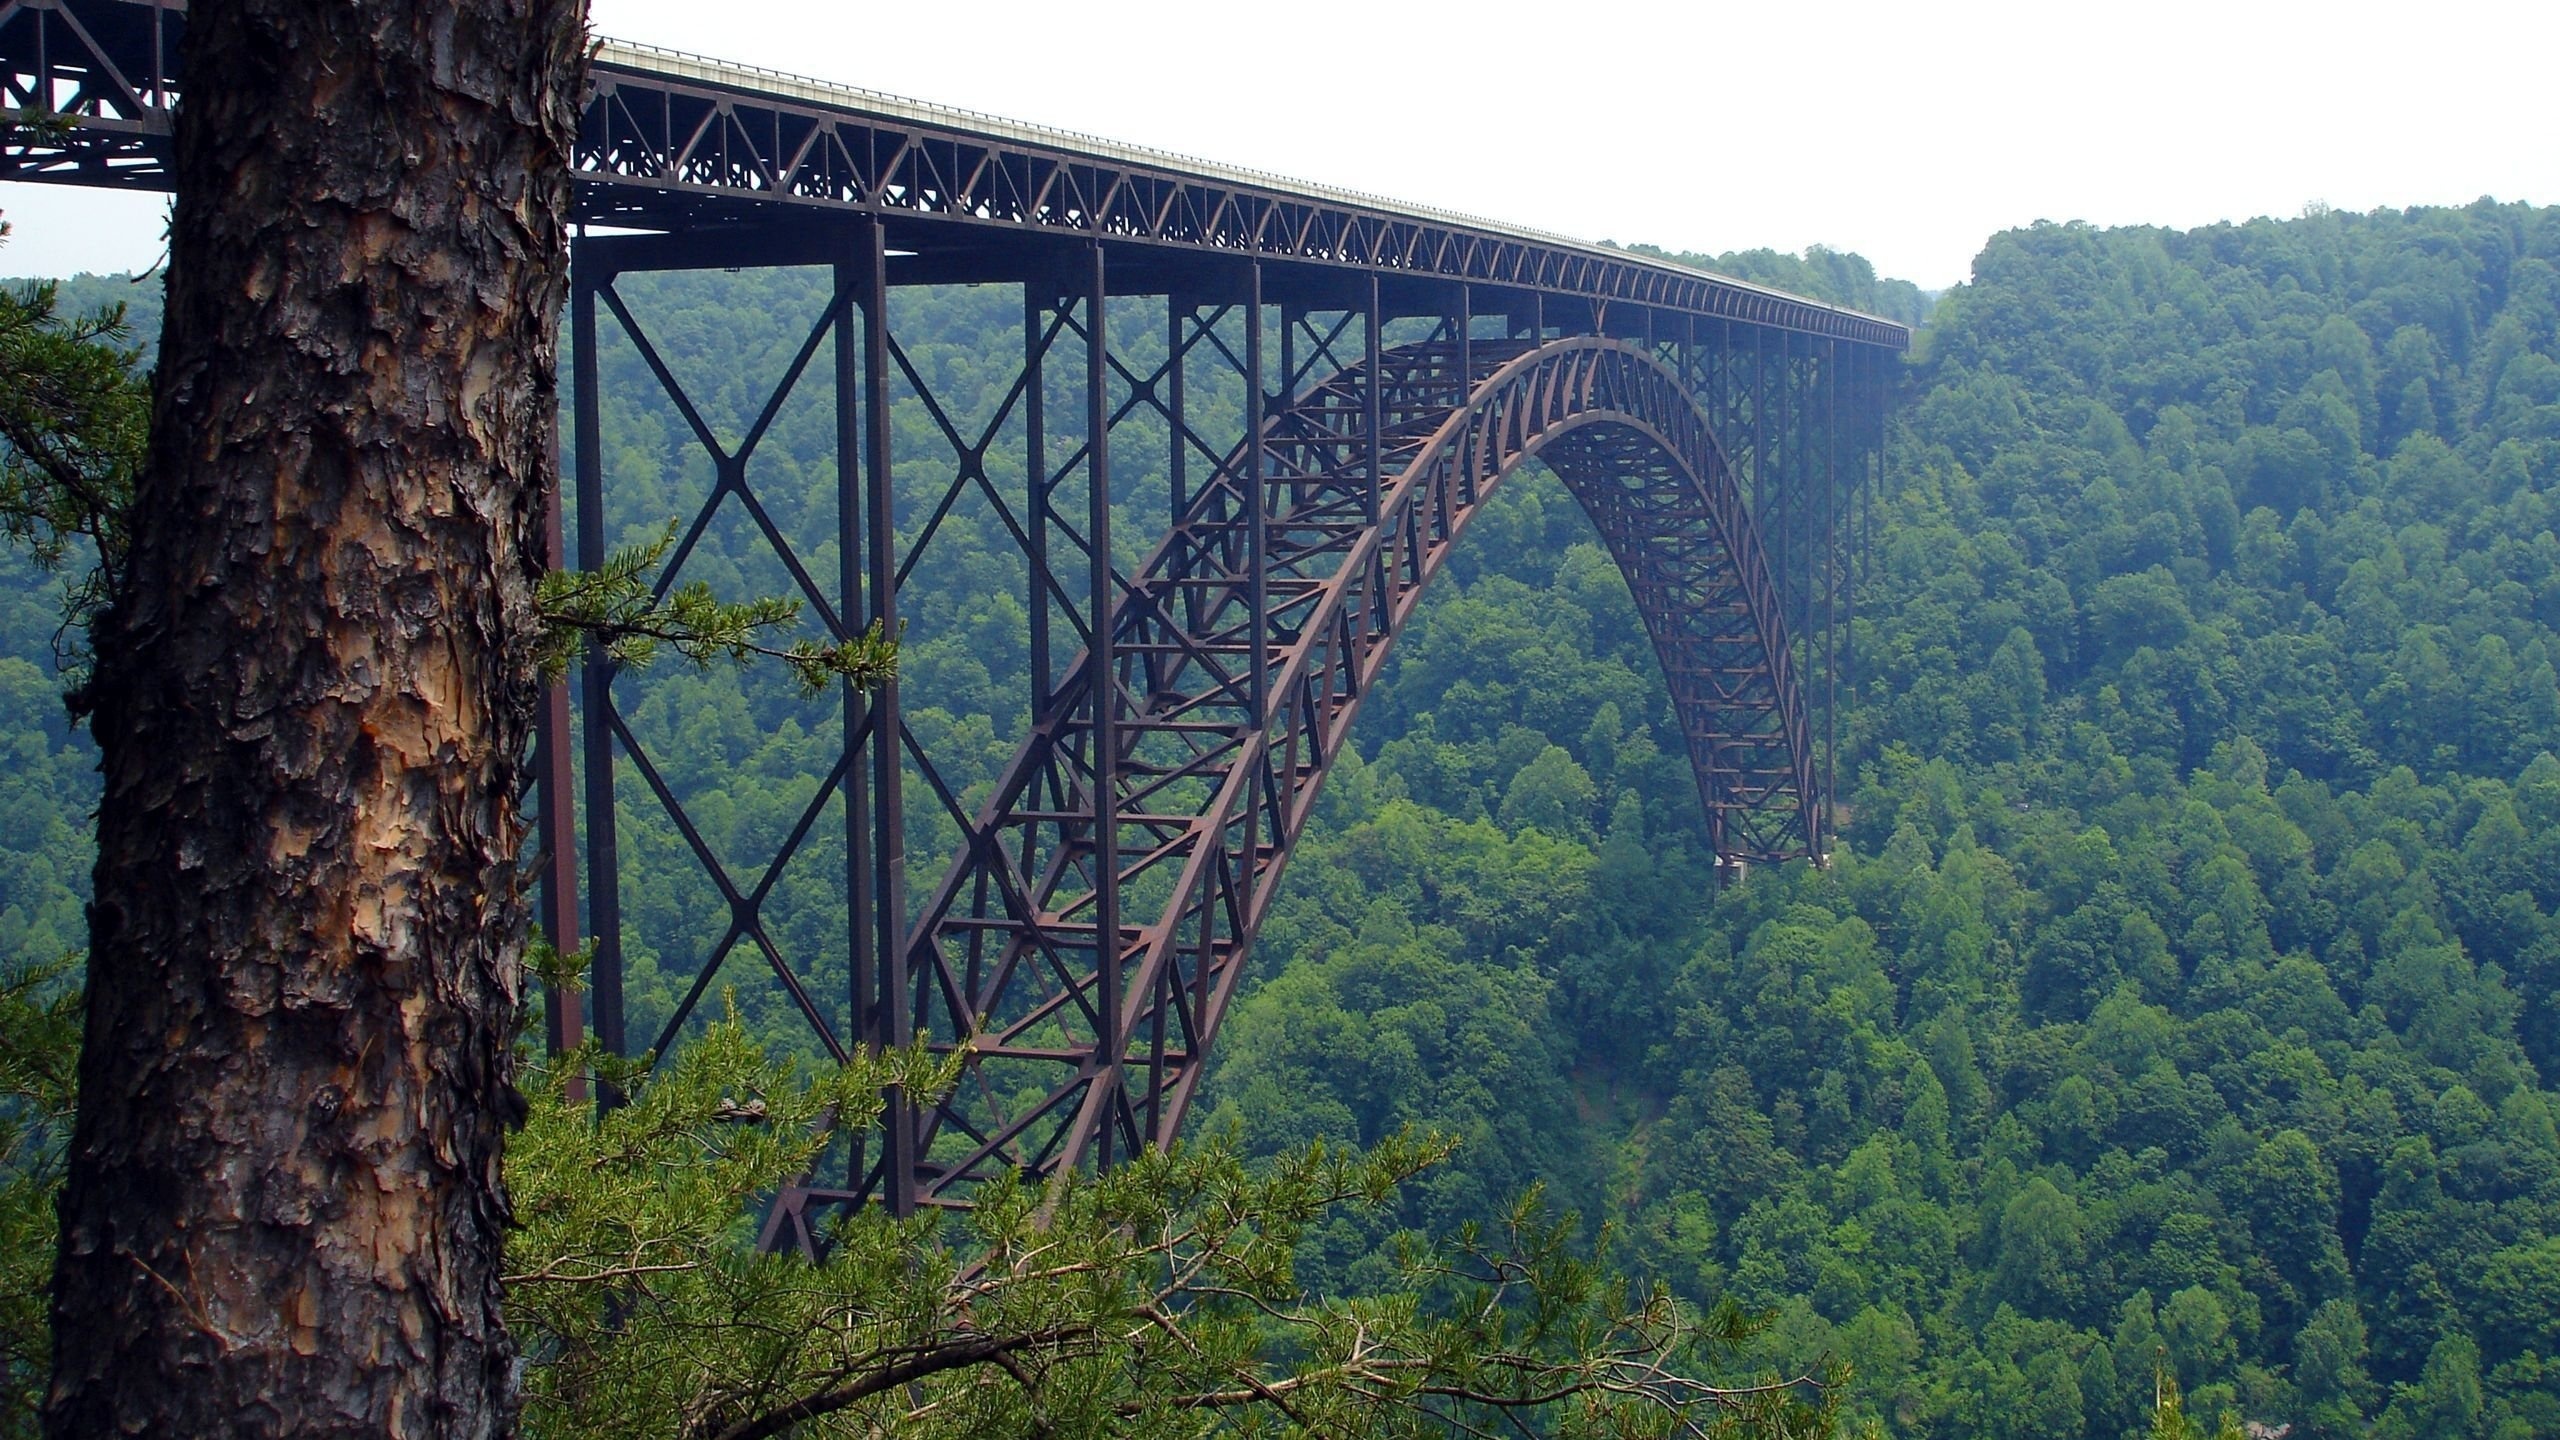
1908,132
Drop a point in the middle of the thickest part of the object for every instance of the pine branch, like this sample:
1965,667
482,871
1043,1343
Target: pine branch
74,425
619,607
957,1353
1109,1303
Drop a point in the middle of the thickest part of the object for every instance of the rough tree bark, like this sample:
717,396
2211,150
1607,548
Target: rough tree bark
283,1211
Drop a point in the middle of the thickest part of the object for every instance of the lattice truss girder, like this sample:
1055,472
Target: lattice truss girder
676,142
658,146
106,70
611,745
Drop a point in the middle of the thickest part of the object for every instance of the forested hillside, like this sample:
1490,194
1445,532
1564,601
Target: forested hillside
2186,992
2189,990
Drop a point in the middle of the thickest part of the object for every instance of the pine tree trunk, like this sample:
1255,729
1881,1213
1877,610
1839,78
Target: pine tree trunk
283,1214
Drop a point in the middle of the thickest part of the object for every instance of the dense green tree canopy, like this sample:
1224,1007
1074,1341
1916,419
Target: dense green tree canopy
2189,993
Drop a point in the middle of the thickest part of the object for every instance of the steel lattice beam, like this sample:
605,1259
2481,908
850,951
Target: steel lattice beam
677,142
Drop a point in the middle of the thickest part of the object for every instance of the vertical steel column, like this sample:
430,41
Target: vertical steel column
1801,394
1830,592
1466,342
1111,1045
1781,480
1783,492
554,783
1869,397
1372,410
1727,402
888,778
1782,487
1760,427
1291,317
1160,1001
862,910
1256,501
595,672
1177,470
1864,406
1035,382
1863,495
1373,419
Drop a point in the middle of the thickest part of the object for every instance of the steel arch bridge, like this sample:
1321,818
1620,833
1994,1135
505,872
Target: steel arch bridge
1185,698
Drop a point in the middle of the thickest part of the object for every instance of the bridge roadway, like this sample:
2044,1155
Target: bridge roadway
1394,363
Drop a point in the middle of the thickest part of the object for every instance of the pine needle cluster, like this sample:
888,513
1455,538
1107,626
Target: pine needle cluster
629,609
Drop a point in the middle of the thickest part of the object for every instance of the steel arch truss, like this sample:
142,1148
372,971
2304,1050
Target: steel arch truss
1073,924
1080,954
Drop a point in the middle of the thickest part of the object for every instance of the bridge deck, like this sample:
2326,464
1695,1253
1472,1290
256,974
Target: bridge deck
674,142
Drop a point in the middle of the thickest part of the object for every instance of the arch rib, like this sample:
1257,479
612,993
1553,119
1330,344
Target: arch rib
1209,792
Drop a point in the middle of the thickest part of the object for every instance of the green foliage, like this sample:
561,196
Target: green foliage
74,410
1161,1298
75,413
74,417
1820,272
39,1046
2170,1421
620,606
2194,916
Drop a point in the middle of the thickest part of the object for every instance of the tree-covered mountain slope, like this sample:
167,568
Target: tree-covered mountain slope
2188,991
